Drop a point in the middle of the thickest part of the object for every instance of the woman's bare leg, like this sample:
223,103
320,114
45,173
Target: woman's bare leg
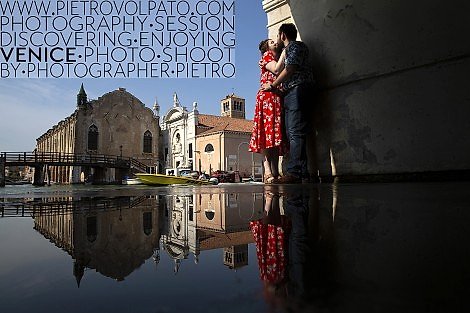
268,173
266,162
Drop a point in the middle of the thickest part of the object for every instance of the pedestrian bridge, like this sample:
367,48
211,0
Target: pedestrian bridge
39,160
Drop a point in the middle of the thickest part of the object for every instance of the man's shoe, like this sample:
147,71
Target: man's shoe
288,179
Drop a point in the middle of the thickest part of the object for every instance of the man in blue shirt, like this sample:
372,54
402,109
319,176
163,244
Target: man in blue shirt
296,80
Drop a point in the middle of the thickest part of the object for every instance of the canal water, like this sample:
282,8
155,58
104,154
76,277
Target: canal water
401,247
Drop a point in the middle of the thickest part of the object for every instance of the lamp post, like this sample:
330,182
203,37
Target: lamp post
120,150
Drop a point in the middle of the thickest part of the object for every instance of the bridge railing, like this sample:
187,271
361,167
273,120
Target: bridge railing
139,165
60,157
31,209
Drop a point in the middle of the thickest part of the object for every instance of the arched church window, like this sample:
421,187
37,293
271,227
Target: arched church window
147,223
209,148
147,142
93,138
91,228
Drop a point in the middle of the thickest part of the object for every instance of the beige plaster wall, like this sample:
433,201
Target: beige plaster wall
232,211
225,145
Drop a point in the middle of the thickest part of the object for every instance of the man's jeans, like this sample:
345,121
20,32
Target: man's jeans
296,102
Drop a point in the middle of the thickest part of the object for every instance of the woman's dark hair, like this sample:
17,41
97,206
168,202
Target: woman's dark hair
264,46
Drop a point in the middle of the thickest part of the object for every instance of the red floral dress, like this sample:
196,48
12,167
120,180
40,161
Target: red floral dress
267,128
271,246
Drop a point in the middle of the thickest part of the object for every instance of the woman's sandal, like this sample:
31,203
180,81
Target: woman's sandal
269,179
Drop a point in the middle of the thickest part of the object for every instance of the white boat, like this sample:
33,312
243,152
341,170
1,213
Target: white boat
132,181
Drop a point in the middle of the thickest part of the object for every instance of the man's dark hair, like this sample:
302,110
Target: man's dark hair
289,30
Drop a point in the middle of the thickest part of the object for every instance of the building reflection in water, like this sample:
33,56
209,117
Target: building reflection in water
203,221
349,247
114,236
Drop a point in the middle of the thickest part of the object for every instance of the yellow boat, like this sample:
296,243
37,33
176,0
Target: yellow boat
162,180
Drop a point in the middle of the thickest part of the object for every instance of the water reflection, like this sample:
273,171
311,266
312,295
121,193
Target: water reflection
287,241
392,247
114,236
199,222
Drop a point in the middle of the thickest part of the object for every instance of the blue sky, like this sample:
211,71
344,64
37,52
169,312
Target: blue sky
28,107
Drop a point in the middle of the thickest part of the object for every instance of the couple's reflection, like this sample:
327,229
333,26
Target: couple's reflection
286,239
271,234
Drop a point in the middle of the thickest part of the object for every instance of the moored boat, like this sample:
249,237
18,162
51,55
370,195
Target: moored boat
132,181
161,180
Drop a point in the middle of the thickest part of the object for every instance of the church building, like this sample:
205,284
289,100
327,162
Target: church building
206,143
116,124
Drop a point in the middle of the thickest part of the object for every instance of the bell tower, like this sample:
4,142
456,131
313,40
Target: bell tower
82,98
232,106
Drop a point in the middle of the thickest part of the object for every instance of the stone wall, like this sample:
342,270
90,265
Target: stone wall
60,138
392,77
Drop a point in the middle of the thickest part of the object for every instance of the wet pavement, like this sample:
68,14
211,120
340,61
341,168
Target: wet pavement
236,248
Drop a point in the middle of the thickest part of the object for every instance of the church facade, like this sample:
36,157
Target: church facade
117,124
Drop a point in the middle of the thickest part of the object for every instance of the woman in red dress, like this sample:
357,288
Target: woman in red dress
267,136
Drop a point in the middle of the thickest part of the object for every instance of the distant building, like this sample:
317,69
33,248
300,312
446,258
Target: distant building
208,142
116,124
179,135
223,145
